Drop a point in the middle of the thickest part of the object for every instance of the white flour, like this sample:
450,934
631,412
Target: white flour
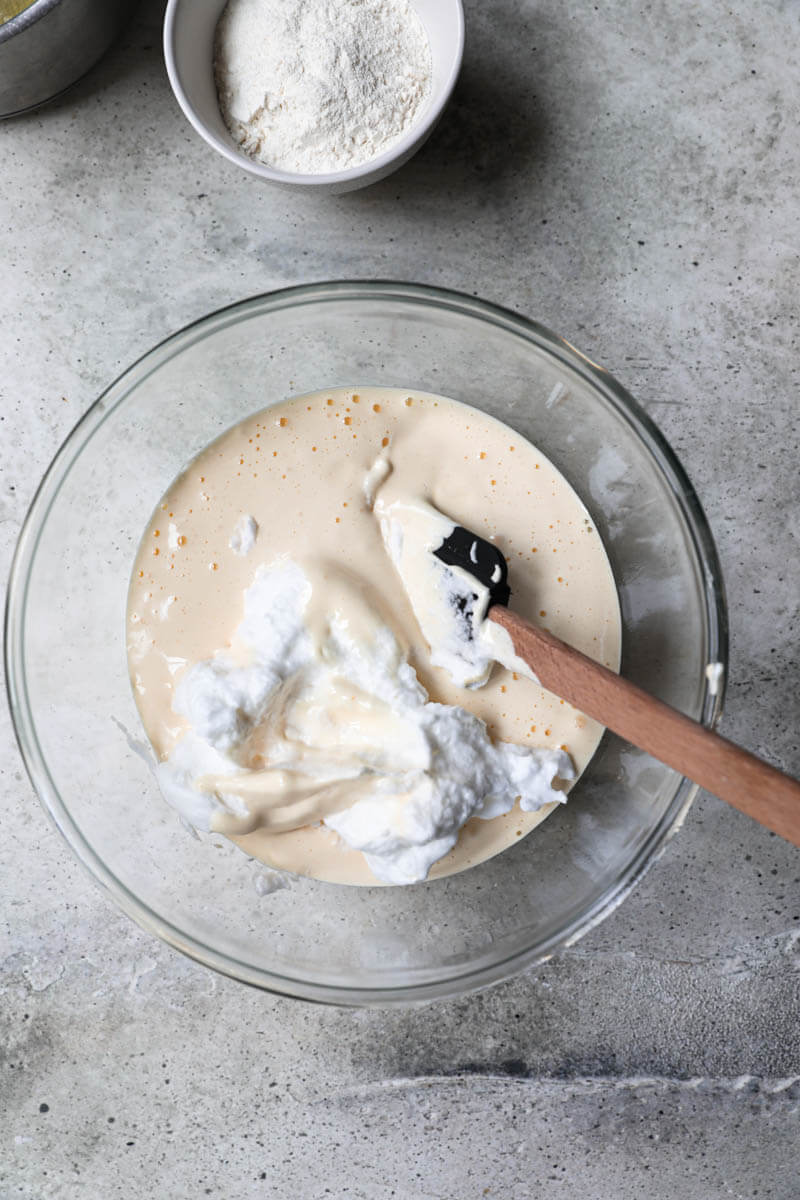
312,86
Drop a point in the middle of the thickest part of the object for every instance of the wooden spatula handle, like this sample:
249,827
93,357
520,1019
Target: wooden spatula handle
746,782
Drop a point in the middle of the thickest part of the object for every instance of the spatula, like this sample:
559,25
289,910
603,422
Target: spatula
743,780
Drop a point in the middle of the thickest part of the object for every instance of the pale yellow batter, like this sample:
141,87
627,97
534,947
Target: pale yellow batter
298,470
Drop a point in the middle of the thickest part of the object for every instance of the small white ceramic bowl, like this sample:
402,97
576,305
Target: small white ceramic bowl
189,27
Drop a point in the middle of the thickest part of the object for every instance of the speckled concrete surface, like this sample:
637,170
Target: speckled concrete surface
626,173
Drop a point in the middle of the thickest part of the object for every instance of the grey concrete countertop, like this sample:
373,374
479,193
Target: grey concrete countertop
627,173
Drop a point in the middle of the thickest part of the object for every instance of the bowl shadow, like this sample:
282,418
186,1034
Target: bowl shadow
491,127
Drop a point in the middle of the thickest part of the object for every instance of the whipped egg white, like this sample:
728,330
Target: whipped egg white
315,714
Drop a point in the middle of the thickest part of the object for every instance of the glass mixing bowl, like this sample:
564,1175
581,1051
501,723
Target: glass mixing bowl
77,723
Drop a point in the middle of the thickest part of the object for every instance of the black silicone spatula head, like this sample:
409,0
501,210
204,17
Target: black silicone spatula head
480,558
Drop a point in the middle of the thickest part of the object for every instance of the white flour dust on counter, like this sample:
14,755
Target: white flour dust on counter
316,86
301,697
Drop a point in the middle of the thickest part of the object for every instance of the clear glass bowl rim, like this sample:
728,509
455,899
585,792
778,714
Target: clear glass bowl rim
664,461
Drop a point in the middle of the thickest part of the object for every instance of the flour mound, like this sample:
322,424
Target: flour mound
314,86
